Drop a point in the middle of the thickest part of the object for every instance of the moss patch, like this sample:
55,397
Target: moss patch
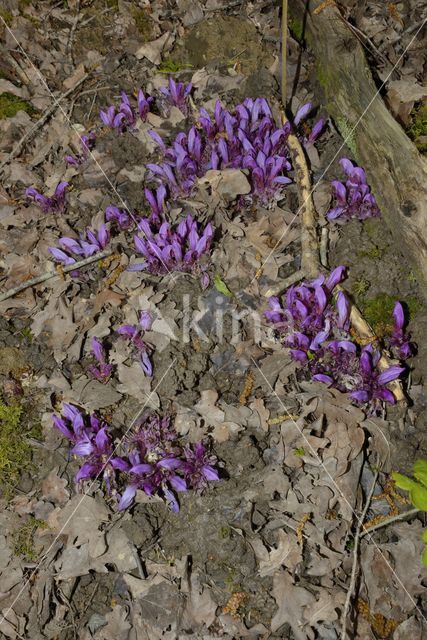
378,311
15,451
417,130
143,22
23,539
296,26
11,104
7,16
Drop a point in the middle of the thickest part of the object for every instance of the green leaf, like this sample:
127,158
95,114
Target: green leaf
221,286
425,557
403,482
424,536
420,471
419,497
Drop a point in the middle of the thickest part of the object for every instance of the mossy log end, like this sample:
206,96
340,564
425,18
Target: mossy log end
396,171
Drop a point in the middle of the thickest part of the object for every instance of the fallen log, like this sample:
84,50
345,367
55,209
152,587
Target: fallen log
396,171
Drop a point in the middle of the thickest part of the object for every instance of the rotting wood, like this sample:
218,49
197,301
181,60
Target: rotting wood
396,170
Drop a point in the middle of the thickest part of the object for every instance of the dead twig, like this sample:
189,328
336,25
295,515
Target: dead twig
384,523
40,122
54,274
68,48
356,557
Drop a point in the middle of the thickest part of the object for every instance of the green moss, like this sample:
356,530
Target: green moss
297,28
373,252
347,133
224,532
170,66
378,311
7,16
299,452
11,104
417,130
23,539
360,287
143,22
15,451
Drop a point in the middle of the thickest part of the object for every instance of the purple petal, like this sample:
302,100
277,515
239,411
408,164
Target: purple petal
390,374
127,497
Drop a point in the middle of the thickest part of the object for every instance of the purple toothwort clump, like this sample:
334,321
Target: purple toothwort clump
341,365
181,249
306,316
247,138
87,143
135,335
49,204
126,117
316,331
91,242
160,465
103,370
91,441
354,198
176,95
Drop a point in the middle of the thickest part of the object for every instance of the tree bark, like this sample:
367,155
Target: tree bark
396,171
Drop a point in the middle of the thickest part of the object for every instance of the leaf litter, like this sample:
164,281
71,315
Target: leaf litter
274,536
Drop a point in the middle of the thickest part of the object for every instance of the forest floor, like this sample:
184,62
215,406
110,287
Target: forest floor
266,551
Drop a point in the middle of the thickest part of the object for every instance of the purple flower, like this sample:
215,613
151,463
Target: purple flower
87,143
92,441
400,341
199,466
144,104
176,94
55,203
134,334
90,243
156,200
120,217
103,370
354,198
166,249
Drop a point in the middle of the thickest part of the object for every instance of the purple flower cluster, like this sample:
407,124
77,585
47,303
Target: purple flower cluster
154,460
126,116
316,330
91,441
166,249
90,242
87,144
246,139
354,198
120,217
175,95
52,204
103,370
158,464
135,335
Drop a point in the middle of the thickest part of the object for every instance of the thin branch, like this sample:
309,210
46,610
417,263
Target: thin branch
284,45
54,274
384,523
356,557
